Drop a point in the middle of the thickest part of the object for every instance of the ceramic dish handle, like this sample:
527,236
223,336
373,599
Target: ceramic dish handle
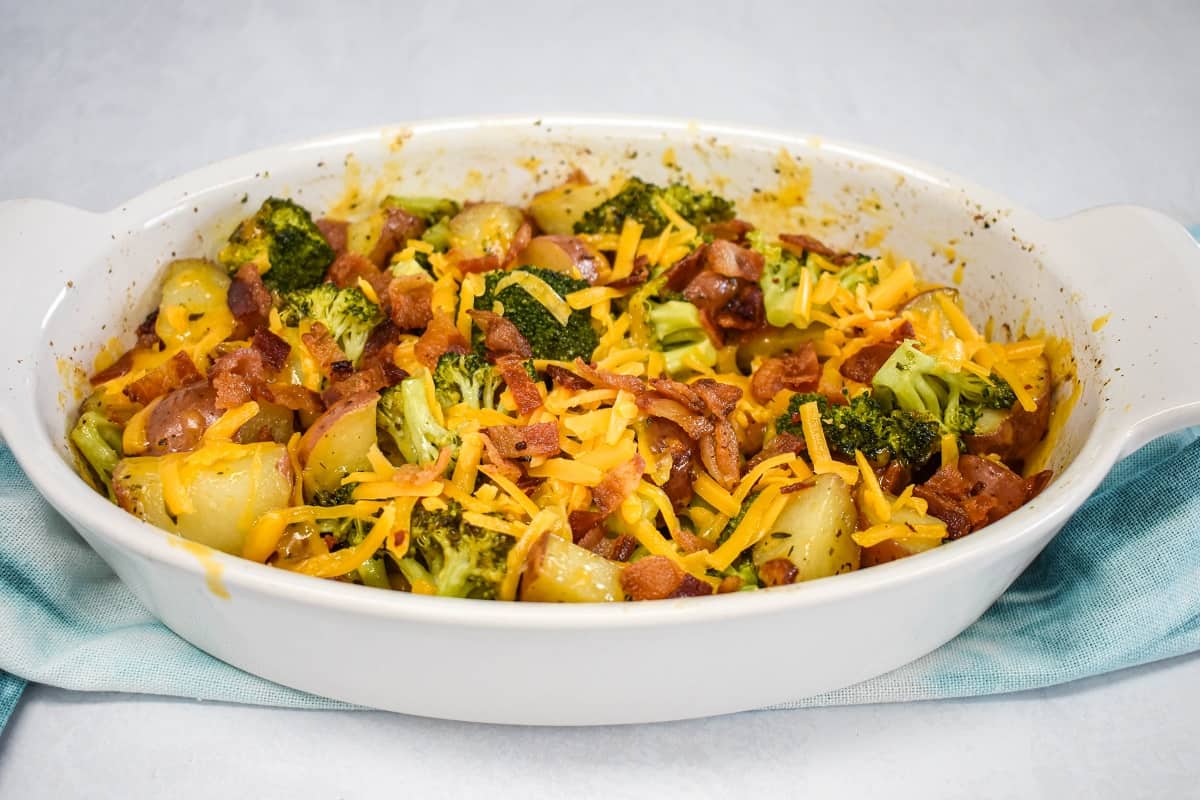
1139,279
43,245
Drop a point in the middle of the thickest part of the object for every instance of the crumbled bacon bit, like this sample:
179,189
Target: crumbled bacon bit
410,302
381,345
398,227
248,299
977,492
335,231
726,258
116,369
147,333
733,230
566,379
780,444
799,244
525,441
493,456
237,377
651,578
798,372
522,388
296,398
500,337
583,523
324,349
348,268
441,336
370,379
176,372
610,380
691,543
274,350
617,484
778,572
863,365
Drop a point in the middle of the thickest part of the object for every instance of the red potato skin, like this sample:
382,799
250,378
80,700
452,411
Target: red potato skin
326,421
179,420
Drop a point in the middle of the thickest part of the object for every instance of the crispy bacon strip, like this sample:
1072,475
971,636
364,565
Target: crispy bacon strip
248,299
369,379
147,333
500,336
566,379
410,302
695,426
297,398
524,441
610,380
720,455
492,454
619,483
524,391
863,365
685,270
584,523
668,439
439,338
798,372
116,369
734,230
782,443
720,399
799,243
176,372
976,493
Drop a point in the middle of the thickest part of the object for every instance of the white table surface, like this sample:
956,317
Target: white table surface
1060,109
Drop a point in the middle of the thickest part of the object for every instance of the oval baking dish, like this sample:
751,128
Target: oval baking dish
1120,283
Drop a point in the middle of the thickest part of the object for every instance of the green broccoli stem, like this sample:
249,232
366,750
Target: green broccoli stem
99,442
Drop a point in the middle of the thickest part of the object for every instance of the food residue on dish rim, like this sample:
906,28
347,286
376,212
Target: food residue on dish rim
205,555
1099,322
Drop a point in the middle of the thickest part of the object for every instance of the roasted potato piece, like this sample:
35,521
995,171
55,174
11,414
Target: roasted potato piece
565,254
226,496
193,304
558,571
337,443
485,229
813,532
557,210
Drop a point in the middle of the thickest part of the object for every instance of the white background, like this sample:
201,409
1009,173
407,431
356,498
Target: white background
1059,108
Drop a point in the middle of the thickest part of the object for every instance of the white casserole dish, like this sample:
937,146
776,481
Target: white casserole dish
85,276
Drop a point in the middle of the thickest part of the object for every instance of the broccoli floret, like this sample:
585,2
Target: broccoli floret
434,211
865,425
285,244
637,200
742,568
341,496
676,332
99,442
350,532
547,338
459,559
404,415
914,381
782,274
466,379
347,313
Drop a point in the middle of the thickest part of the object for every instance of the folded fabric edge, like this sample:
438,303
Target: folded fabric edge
11,688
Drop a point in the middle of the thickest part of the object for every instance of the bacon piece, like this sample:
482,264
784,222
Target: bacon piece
610,380
500,336
719,398
726,258
863,365
657,578
584,523
728,584
616,549
274,350
486,263
398,227
325,350
238,377
709,291
248,299
617,484
893,478
524,391
691,543
369,379
778,572
566,379
524,441
745,312
348,268
799,243
380,346
118,368
416,475
681,393
492,454
639,275
667,439
733,230
297,398
410,302
798,371
685,270
176,372
335,231
147,332
695,426
780,444
441,336
179,419
720,455
976,493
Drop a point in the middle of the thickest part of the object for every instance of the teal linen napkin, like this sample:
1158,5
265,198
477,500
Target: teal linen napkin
1119,586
